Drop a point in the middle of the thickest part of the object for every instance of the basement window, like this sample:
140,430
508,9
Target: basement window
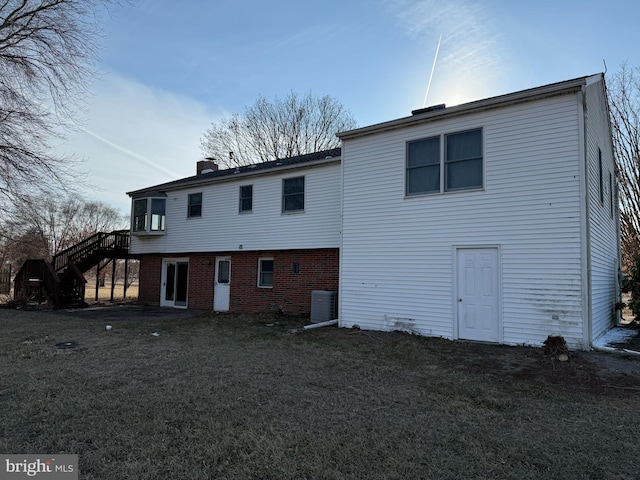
149,215
265,272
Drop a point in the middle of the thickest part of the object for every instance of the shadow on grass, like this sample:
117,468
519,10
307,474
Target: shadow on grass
232,396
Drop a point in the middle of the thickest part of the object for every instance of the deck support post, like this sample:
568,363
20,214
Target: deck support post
113,277
126,274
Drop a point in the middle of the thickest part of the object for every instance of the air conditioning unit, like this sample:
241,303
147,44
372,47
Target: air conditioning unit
324,306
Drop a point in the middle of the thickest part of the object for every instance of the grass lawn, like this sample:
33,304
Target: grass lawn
239,397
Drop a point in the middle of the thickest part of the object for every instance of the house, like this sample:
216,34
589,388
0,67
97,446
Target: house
254,238
494,220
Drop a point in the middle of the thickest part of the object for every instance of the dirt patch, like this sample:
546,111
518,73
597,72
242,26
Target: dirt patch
599,373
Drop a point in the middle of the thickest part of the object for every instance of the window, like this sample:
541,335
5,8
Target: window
224,271
140,215
423,166
246,198
158,206
293,194
265,272
462,163
611,194
195,205
145,209
601,176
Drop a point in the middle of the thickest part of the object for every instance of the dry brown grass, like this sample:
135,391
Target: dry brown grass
104,293
231,397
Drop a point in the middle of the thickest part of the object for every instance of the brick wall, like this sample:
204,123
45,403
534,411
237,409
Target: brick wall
149,279
291,293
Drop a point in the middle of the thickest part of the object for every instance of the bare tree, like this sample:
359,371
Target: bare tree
279,129
46,52
40,227
624,103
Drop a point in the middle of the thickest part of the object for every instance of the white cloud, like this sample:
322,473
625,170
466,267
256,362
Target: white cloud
135,136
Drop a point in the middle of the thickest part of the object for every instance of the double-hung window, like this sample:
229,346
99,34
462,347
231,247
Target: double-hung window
246,198
265,272
195,205
293,194
463,160
423,166
446,163
149,215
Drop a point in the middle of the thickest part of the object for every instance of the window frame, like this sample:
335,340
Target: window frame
135,224
444,163
261,272
414,168
447,162
243,198
611,194
150,214
286,196
192,211
601,175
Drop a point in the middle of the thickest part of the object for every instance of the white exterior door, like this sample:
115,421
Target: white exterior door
175,280
478,294
222,284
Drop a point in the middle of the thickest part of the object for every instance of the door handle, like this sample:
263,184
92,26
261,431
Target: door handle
459,299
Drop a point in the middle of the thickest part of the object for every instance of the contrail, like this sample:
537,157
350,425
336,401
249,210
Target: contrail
433,67
131,154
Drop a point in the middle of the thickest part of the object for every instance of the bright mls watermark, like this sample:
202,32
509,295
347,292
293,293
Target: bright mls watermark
49,467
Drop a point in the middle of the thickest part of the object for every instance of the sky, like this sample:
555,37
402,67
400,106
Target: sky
167,69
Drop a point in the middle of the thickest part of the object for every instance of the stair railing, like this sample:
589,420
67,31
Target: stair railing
117,240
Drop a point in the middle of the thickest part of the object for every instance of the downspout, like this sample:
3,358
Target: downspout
585,229
328,323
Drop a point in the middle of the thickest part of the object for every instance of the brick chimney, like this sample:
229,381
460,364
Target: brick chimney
207,165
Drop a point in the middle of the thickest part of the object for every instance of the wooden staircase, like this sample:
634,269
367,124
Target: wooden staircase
61,282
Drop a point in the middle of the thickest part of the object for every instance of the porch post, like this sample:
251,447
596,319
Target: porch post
126,274
113,277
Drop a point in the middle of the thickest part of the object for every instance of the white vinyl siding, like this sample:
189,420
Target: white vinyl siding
603,227
221,228
397,256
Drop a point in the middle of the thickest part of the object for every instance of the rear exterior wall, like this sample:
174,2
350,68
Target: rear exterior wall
398,252
291,292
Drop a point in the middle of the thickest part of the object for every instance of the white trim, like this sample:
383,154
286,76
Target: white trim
585,246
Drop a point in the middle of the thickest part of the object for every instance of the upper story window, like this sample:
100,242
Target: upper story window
293,194
611,195
149,215
601,177
461,161
195,205
423,166
246,198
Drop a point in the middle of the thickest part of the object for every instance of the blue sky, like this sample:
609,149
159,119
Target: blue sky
168,68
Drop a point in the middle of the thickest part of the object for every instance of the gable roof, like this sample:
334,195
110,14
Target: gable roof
291,163
439,111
